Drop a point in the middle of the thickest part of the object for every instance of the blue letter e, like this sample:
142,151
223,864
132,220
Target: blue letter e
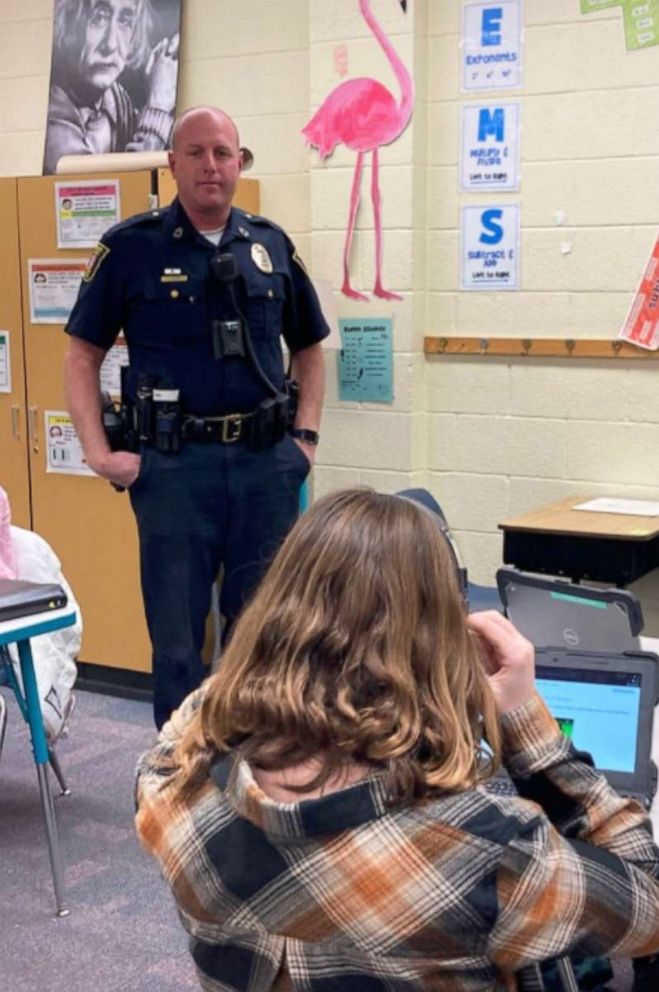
488,220
491,27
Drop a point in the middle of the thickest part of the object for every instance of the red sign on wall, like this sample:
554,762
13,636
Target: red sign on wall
642,324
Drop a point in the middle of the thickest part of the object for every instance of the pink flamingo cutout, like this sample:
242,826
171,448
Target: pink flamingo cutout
363,115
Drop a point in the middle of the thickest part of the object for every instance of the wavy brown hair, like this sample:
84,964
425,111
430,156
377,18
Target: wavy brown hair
353,648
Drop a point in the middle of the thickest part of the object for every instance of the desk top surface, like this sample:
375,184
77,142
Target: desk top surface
34,624
562,518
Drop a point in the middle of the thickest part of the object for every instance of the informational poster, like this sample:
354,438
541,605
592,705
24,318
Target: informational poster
54,284
641,325
5,363
365,361
641,20
64,453
113,78
114,359
492,45
489,247
490,146
84,210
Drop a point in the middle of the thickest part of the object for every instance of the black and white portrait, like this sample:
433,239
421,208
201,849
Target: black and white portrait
113,77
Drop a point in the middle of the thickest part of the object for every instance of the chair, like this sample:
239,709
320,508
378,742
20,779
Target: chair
478,597
19,631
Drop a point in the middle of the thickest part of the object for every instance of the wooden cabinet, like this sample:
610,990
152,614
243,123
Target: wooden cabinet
14,475
89,525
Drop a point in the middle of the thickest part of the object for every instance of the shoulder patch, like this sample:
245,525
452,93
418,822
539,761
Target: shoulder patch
100,252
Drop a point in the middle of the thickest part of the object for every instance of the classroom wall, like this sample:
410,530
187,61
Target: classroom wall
507,436
491,437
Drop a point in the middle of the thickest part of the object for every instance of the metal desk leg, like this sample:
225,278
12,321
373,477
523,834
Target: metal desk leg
57,771
40,751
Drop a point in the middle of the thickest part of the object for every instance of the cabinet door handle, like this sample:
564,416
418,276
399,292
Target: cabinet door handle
16,422
32,428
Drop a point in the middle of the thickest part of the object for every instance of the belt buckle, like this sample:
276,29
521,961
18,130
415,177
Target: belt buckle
231,428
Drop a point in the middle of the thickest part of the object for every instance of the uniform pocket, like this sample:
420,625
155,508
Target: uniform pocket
144,467
266,295
169,313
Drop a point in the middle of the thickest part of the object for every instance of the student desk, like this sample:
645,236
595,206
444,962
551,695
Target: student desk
19,631
603,547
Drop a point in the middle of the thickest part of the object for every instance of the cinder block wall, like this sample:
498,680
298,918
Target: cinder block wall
372,444
508,436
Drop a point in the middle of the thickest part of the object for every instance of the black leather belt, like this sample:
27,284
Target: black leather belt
227,429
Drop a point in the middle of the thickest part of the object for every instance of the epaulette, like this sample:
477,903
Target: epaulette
148,218
258,219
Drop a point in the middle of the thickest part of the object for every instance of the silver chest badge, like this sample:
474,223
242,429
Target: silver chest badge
261,258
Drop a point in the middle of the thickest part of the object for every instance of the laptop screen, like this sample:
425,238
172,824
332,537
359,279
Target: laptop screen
598,710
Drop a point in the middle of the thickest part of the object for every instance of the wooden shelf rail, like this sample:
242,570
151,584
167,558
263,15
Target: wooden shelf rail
536,348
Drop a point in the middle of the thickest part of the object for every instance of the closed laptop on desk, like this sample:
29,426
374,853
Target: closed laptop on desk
19,598
562,614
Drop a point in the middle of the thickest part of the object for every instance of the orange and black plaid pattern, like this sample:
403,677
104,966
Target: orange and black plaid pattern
346,894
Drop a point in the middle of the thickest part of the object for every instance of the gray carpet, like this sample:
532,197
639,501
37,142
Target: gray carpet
123,933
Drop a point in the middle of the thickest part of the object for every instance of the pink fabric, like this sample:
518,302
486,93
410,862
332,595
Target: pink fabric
8,569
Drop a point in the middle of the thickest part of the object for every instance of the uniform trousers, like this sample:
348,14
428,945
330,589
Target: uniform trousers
205,506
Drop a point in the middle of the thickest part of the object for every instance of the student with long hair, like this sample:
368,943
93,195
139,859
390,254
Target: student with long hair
319,806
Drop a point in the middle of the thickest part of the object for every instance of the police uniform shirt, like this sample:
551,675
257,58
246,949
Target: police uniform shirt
151,277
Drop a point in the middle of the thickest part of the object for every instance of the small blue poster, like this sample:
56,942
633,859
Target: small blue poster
365,363
491,46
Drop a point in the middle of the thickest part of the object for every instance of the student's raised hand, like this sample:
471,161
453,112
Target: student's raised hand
507,656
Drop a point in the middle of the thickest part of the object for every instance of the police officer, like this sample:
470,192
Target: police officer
203,292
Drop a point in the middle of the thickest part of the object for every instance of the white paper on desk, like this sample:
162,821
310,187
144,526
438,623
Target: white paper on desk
628,507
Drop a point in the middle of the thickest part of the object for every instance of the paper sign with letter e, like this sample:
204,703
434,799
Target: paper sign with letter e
492,45
641,326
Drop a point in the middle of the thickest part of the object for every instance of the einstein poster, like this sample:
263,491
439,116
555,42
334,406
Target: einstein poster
113,77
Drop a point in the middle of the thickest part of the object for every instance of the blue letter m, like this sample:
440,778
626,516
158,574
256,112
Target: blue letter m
491,123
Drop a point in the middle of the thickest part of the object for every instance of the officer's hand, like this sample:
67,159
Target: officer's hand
160,72
507,657
118,467
309,450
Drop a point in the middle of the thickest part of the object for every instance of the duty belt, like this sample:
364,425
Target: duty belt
226,429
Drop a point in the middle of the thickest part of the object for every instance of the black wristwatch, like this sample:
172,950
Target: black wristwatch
306,435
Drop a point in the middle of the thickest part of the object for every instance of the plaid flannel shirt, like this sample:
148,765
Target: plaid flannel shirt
346,893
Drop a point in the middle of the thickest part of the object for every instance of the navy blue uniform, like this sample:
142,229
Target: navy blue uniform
209,504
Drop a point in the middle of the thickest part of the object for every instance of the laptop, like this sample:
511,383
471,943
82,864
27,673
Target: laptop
555,612
19,598
604,702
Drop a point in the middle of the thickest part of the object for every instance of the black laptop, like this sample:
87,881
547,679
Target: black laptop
604,702
555,612
19,598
